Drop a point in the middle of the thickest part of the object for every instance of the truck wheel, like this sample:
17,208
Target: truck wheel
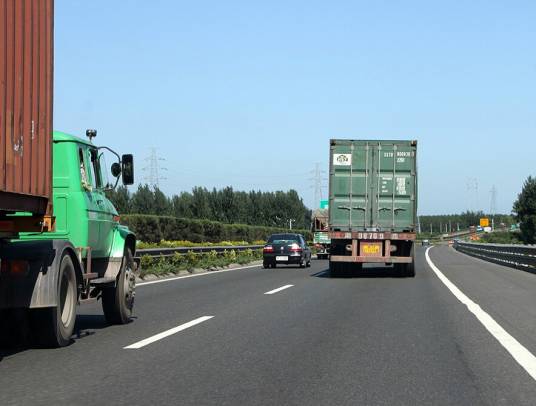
118,302
410,268
53,326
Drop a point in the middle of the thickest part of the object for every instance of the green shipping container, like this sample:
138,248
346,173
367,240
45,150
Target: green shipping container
373,186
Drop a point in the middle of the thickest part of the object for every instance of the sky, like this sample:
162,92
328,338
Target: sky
249,93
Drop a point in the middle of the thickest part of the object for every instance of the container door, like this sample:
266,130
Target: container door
351,186
394,187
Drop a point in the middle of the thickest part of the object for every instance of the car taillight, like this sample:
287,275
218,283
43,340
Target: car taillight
295,248
268,248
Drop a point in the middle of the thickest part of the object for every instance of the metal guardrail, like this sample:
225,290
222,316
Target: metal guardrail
515,256
168,252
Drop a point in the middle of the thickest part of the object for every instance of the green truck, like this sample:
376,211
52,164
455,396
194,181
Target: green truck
61,242
372,205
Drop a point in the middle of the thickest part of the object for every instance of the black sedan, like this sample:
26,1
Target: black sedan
286,249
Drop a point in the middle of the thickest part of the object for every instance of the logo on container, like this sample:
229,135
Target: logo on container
342,159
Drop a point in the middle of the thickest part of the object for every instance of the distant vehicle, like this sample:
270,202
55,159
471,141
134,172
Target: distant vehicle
321,239
479,229
425,243
488,230
286,249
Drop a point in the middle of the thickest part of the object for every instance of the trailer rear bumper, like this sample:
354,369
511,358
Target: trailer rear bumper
371,260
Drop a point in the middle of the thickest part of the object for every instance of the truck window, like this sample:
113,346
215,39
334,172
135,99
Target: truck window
84,178
96,168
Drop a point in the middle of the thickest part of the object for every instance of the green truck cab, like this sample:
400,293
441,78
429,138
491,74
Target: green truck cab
85,255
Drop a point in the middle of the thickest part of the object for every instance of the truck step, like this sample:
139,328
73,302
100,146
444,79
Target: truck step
90,275
102,281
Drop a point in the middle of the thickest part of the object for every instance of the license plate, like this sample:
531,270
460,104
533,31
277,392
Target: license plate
281,259
371,249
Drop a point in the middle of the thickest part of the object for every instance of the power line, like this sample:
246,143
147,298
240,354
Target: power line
153,169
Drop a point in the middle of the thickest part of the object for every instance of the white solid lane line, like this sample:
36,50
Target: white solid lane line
195,275
523,356
273,292
167,333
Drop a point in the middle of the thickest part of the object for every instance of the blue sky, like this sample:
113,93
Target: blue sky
248,94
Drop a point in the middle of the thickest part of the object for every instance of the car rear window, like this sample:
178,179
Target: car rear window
283,238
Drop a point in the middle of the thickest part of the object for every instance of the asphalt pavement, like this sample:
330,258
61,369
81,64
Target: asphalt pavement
292,336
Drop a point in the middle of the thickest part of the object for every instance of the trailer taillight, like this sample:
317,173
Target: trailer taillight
6,225
14,267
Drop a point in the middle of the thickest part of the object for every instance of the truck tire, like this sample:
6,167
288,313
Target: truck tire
407,270
53,326
410,268
118,302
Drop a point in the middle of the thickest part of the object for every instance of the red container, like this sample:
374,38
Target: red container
26,84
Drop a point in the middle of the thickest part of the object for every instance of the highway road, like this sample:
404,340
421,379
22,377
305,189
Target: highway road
293,336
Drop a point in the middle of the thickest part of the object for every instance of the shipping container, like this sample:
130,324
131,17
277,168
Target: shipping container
373,186
26,84
372,205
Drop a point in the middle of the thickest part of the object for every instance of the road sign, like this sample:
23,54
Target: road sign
324,204
484,222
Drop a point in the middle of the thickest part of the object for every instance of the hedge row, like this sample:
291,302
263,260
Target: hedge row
154,229
191,261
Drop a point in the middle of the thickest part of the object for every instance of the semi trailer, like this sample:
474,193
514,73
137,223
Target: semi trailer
372,205
61,242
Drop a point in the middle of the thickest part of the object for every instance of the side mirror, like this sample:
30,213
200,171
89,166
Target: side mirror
127,169
116,169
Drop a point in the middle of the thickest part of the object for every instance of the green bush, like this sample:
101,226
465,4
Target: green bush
501,237
154,229
191,260
146,262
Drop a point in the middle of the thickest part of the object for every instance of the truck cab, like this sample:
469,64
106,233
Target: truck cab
83,252
82,212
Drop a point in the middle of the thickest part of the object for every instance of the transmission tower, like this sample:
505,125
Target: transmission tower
153,169
493,201
472,190
318,180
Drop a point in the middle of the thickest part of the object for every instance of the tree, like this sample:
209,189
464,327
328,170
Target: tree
120,197
143,201
161,203
525,211
200,203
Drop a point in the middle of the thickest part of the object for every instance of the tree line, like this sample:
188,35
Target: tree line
439,224
270,209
